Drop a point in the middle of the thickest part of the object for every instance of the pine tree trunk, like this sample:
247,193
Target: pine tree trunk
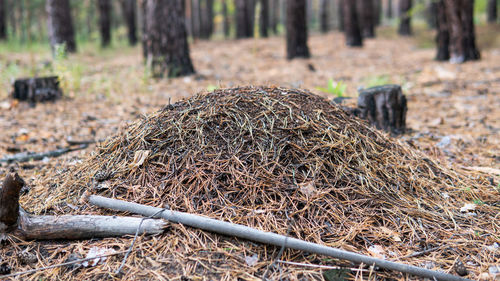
388,9
104,7
195,18
3,21
461,27
492,11
245,14
432,14
166,41
340,14
60,24
225,14
264,18
378,12
129,8
323,15
351,24
206,18
366,12
405,17
275,15
296,29
443,34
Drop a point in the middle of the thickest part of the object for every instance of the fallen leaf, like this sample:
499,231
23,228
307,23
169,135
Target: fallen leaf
139,158
393,234
377,251
252,261
307,188
468,207
97,252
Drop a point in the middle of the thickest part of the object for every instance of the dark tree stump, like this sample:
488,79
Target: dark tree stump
385,107
38,89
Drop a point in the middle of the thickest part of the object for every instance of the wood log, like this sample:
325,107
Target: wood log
384,107
38,89
15,221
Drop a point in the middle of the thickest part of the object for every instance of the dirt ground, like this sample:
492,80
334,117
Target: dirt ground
453,115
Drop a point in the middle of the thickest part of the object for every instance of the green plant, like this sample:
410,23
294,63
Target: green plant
334,88
69,74
212,88
377,80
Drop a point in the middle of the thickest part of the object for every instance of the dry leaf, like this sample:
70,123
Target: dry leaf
252,261
393,234
468,207
139,158
377,251
96,252
307,188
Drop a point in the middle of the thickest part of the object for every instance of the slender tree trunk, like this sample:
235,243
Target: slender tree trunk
432,14
443,34
129,8
405,17
166,41
296,29
323,15
377,14
351,24
206,18
492,10
341,14
461,26
60,24
366,12
264,18
275,15
245,16
388,9
145,35
226,19
195,18
104,7
3,21
12,18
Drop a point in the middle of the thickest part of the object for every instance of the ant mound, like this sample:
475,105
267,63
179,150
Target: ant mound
290,162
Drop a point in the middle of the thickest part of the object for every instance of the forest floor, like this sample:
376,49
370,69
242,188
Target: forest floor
453,115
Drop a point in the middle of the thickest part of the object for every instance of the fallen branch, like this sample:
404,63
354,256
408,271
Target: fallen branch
27,156
15,221
269,238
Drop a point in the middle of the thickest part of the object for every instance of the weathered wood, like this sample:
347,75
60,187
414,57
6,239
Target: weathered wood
38,89
384,107
15,221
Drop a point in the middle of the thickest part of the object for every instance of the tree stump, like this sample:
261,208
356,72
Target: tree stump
384,107
38,89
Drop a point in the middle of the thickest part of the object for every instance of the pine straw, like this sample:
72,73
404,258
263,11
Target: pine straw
278,159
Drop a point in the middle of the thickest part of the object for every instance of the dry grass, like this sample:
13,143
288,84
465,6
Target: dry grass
276,159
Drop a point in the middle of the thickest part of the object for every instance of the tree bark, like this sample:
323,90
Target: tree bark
15,221
39,89
296,29
104,7
129,9
195,18
405,17
351,24
492,11
461,27
377,17
275,15
323,15
366,10
443,34
384,107
3,21
225,14
245,14
60,24
264,18
206,18
166,43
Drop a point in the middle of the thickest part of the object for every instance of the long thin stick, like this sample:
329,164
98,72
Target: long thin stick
27,156
269,238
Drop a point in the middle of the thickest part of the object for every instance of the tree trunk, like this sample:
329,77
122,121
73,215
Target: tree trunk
275,15
443,34
461,27
323,15
432,14
225,14
104,7
166,43
341,16
206,18
351,24
492,11
366,12
245,14
195,18
296,29
129,8
264,18
405,17
378,12
60,24
3,21
388,9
